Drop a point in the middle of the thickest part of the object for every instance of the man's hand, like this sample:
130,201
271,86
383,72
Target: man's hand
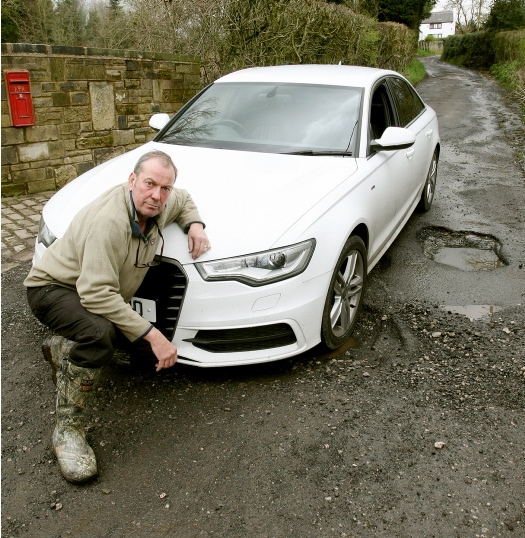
163,349
198,242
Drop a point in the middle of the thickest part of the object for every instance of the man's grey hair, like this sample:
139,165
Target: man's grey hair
164,158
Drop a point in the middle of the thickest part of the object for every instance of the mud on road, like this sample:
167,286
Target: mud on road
416,429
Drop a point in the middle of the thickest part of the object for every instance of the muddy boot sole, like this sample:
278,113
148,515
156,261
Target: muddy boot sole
75,457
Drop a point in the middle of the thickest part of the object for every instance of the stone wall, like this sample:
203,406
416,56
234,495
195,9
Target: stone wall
90,105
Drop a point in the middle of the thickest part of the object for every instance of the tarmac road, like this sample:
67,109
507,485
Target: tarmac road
415,431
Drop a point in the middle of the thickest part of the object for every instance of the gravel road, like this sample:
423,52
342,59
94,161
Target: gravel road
414,430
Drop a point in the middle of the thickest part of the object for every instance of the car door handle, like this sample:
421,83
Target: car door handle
410,152
429,133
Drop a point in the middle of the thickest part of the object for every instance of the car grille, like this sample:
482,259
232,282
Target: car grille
166,285
246,339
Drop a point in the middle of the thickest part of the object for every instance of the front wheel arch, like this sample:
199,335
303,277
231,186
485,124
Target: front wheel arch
345,294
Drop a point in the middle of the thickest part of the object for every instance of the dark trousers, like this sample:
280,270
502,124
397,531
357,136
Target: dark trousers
96,337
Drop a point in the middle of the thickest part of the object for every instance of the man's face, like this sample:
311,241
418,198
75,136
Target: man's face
151,188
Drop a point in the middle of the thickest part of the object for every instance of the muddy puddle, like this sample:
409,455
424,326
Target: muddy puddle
468,251
473,311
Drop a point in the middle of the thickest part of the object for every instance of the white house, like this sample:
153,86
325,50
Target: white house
440,24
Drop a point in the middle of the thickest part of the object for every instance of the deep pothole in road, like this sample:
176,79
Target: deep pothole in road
468,251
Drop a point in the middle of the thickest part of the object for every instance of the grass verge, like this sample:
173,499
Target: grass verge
511,75
415,71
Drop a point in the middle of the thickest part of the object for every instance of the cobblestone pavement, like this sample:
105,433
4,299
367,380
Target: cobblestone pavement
20,218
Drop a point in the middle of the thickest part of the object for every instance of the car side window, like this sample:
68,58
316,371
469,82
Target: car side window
418,104
408,103
381,113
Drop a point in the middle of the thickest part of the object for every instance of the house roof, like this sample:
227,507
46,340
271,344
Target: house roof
439,16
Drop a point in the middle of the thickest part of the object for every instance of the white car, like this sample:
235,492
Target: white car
304,175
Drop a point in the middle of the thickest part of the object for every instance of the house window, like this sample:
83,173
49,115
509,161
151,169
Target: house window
435,26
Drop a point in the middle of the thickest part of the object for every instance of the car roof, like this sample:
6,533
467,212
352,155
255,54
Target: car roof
337,75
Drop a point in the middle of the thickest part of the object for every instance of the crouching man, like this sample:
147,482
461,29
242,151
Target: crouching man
82,286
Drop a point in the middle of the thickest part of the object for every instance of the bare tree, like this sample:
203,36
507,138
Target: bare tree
177,26
471,14
108,25
192,27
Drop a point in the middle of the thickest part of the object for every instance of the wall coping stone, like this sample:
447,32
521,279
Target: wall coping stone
61,50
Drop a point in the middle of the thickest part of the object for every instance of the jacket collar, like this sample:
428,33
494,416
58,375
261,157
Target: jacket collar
134,222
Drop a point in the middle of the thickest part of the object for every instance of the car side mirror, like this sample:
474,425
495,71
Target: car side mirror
393,138
158,121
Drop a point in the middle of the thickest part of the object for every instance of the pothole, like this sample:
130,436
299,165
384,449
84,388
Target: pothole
473,311
468,251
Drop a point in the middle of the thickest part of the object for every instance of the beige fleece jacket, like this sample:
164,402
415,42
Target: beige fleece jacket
96,255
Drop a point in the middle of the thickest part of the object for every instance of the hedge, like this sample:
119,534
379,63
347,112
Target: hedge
471,50
273,32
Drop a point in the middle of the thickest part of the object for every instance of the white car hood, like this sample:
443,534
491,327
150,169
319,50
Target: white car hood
247,200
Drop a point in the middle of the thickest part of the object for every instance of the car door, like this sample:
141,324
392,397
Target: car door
410,112
390,170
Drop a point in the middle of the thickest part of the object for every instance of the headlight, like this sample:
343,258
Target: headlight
260,268
44,234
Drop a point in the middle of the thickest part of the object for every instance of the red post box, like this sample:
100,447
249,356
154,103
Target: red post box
20,100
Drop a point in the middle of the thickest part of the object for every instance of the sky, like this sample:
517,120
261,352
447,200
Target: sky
440,6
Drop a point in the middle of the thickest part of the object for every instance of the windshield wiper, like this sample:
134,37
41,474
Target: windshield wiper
315,153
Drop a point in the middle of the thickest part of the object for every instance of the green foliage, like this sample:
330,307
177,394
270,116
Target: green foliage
226,34
509,46
484,49
471,50
11,13
107,26
69,24
505,73
509,66
506,15
93,26
271,32
367,7
29,22
397,46
408,12
415,71
511,75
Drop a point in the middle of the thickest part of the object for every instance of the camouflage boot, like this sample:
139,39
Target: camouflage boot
75,390
56,349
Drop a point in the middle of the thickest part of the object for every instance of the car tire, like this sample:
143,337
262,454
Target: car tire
429,190
345,294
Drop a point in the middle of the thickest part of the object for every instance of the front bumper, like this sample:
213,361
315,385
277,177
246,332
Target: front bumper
229,323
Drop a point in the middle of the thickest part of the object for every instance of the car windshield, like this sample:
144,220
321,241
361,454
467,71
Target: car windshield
269,117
